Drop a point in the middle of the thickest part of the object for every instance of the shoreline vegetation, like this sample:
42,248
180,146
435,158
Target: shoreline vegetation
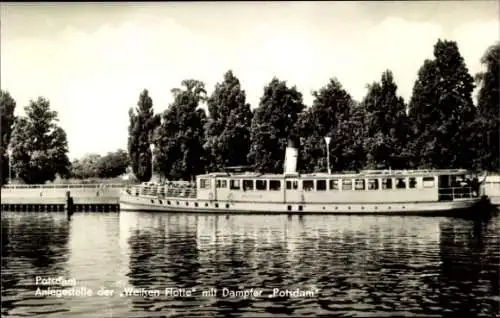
440,126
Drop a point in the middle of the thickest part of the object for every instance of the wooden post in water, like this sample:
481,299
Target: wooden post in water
69,204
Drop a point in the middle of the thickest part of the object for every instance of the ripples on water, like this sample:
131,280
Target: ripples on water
359,265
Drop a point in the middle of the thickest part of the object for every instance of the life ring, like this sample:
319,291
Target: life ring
210,196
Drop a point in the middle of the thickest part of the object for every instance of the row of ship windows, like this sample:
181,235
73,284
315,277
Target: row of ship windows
321,185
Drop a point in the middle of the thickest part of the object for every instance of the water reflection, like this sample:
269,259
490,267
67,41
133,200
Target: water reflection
97,260
358,265
351,265
470,266
33,244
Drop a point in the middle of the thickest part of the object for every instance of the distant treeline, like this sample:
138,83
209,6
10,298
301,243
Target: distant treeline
439,127
39,147
112,165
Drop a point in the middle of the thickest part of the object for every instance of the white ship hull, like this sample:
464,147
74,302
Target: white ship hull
141,203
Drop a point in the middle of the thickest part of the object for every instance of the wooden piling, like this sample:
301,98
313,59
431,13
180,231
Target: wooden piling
69,204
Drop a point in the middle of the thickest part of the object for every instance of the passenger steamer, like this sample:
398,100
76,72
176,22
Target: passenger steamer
369,191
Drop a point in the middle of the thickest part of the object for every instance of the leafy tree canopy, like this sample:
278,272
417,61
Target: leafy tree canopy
273,124
39,145
385,132
328,116
111,165
228,125
142,124
442,111
7,108
180,137
487,126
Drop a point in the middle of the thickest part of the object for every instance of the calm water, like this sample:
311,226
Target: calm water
337,265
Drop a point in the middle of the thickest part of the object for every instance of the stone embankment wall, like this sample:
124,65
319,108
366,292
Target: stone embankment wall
56,194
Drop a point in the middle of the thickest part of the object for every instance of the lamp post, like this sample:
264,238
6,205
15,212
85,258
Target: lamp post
9,152
152,147
327,140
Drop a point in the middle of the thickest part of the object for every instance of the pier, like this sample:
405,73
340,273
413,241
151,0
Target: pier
61,197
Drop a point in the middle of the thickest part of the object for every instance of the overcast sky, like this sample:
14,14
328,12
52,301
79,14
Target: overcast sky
92,60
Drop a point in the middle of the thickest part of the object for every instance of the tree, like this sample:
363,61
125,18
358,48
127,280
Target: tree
39,145
328,116
86,167
273,124
179,140
142,124
354,154
228,126
77,170
489,80
7,108
385,130
113,164
487,126
442,111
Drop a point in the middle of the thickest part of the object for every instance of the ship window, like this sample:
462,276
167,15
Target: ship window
372,184
222,184
320,185
359,184
247,185
234,184
261,185
347,184
274,185
204,183
428,182
400,183
292,184
387,184
334,184
308,185
412,184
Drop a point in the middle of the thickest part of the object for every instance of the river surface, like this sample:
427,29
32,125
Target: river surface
340,266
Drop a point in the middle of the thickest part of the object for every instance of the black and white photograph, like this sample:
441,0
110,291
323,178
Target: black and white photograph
250,159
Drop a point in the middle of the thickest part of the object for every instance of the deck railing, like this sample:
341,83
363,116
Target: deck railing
453,193
64,186
164,191
415,172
